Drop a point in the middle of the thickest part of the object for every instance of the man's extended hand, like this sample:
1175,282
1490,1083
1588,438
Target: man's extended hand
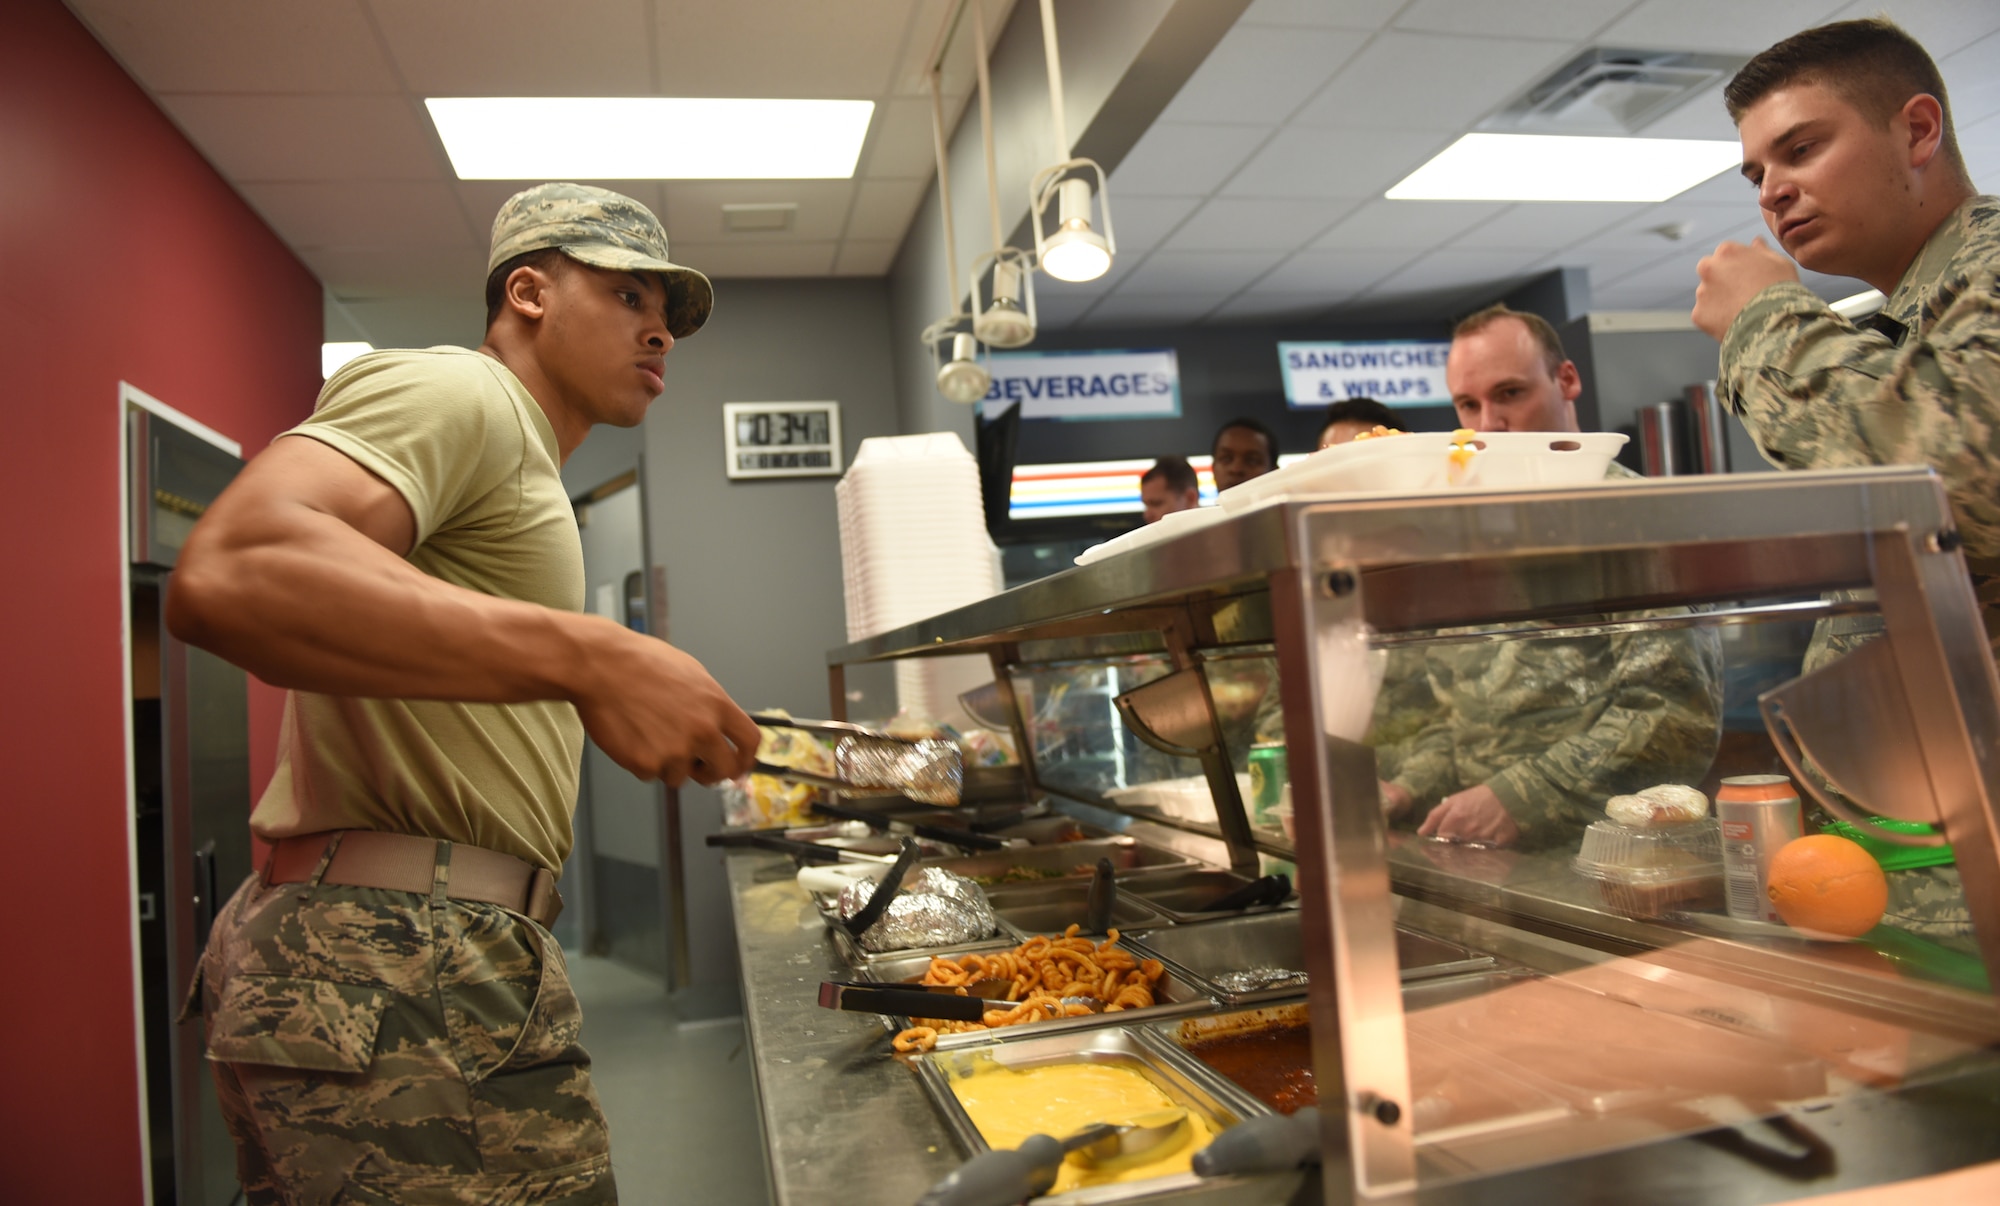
1473,815
1730,276
658,714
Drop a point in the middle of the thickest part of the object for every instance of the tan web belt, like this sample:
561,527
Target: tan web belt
400,862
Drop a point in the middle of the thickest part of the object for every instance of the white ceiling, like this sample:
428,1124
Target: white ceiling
313,110
1258,193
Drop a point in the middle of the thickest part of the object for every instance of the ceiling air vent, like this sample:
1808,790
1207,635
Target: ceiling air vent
767,217
1611,92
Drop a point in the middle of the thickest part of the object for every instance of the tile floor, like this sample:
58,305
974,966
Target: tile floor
683,1113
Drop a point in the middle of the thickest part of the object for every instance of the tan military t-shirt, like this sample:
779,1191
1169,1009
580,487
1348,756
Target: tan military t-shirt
460,438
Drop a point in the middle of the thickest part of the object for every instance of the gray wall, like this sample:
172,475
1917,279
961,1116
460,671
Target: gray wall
752,567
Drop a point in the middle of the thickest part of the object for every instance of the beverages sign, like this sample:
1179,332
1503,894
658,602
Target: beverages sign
1395,372
1108,384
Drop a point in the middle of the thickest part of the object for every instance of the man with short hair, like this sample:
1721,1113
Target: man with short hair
1847,137
1169,486
1521,742
388,1017
1242,449
1351,417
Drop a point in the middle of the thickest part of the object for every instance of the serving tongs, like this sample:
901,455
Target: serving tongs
937,833
1005,1176
929,770
942,1001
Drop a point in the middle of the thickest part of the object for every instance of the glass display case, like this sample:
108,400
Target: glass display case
1447,716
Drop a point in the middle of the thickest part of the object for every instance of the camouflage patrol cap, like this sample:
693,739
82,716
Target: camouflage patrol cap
604,229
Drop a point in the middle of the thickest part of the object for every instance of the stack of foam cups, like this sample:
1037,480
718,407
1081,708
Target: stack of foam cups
913,543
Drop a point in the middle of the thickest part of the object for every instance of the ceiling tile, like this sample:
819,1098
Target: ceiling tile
1674,275
1725,188
721,260
899,141
1405,225
865,257
1832,288
1637,232
1980,144
780,48
483,199
883,208
1700,116
1166,272
310,137
1414,81
1184,160
1150,308
1318,162
1227,224
364,213
1058,311
413,321
1543,226
1260,73
242,45
1141,222
694,208
1573,20
465,47
1938,24
1345,14
356,272
1455,268
1606,267
1972,77
1333,273
1722,25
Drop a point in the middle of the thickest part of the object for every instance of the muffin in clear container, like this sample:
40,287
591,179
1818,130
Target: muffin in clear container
1647,873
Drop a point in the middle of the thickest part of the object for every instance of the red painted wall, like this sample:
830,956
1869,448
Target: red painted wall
126,257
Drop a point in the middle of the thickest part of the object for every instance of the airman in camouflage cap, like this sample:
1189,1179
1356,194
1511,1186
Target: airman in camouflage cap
604,229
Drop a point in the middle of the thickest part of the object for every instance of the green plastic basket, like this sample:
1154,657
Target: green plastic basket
1892,856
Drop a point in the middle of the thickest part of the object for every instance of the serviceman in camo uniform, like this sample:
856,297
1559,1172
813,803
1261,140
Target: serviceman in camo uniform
388,1016
1847,138
1523,740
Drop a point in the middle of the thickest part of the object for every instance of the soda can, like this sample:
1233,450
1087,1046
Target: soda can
1267,780
1759,814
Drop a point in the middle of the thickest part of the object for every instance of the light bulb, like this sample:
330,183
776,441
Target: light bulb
1075,252
1003,324
963,379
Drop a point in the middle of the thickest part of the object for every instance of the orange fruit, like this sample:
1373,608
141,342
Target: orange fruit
1825,882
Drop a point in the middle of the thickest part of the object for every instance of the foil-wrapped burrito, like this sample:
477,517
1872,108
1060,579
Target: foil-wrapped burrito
930,770
935,908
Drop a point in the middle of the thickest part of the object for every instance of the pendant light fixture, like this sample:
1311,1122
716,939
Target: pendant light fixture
963,377
1074,250
1003,279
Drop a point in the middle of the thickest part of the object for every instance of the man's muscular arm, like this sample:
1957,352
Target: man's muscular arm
297,574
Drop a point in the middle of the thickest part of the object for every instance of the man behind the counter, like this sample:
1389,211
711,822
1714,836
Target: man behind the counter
385,1020
1847,139
1169,486
1520,742
1242,449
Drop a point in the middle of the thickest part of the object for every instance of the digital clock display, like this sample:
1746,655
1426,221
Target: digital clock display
781,439
783,428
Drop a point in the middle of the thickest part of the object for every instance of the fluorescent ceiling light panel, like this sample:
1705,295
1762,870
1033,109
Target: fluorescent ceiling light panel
650,137
1555,167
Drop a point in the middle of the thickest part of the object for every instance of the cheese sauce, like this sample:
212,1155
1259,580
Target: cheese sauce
1010,1104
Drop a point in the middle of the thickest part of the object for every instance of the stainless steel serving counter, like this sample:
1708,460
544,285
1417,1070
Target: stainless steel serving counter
845,1122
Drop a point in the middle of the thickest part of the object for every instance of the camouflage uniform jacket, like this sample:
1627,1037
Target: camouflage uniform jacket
1917,384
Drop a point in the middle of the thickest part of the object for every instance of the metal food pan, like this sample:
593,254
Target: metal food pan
1184,895
1216,1102
1128,856
1177,998
1202,952
1050,908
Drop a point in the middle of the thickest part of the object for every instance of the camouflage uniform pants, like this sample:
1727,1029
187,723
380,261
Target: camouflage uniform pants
378,1046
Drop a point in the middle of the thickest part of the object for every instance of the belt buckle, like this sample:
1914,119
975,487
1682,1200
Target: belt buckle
545,904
